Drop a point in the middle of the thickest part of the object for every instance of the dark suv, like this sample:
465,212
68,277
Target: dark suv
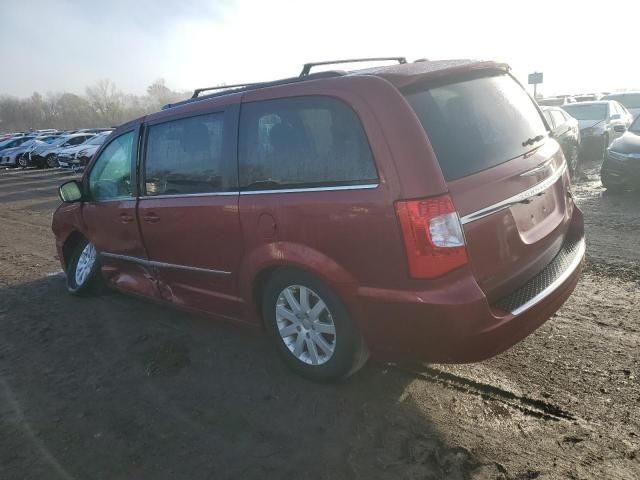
417,211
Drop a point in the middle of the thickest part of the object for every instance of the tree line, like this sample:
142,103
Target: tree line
102,105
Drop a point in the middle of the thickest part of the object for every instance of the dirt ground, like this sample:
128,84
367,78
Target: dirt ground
116,388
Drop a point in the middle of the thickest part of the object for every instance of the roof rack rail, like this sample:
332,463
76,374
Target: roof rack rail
308,66
245,87
198,91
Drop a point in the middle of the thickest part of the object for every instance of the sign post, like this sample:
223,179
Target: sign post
534,79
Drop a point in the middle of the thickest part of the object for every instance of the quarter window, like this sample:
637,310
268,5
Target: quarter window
302,142
186,156
110,176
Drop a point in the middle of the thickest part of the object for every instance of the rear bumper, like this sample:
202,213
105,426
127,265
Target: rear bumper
619,173
455,323
592,146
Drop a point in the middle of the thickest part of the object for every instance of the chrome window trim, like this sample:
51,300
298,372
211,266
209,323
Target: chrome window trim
556,283
537,189
181,195
114,199
153,263
312,189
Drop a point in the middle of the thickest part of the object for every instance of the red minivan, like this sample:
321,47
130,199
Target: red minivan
416,212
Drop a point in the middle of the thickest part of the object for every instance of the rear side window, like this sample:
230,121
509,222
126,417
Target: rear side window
302,142
477,124
186,156
558,118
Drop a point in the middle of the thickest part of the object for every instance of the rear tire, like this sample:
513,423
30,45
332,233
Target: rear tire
573,159
83,271
311,327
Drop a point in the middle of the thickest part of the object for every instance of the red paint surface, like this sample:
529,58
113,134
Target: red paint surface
350,239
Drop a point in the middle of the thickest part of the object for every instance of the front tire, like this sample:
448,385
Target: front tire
51,162
311,327
83,271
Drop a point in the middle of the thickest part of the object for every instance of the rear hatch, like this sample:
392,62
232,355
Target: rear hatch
506,176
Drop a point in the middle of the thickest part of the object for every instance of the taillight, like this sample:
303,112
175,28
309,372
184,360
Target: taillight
433,236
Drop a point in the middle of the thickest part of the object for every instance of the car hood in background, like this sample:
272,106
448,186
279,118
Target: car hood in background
627,143
69,151
9,151
89,149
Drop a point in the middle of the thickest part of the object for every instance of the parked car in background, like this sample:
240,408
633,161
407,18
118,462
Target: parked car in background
15,141
9,157
630,100
600,123
78,156
22,153
565,129
417,211
588,97
621,166
556,101
45,155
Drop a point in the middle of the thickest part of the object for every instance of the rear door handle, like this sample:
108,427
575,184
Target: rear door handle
151,218
126,218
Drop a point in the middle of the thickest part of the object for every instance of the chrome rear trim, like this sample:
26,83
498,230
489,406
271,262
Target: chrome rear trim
153,263
575,262
312,189
537,189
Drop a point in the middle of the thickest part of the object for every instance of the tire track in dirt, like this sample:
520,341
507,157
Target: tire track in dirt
529,406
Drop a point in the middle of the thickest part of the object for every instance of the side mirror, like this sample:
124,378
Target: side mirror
616,116
619,129
70,191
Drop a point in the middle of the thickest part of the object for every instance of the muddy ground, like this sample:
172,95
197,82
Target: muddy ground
117,388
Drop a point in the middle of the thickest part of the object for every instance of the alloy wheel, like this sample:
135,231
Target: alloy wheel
85,264
305,325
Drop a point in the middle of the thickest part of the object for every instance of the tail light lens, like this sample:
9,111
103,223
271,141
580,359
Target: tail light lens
433,236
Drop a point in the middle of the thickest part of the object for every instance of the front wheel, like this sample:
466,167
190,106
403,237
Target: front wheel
51,161
311,327
83,270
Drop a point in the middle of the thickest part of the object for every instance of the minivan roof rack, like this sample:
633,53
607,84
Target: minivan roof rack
308,66
244,87
198,91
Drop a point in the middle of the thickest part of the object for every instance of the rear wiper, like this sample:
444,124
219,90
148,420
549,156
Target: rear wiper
531,141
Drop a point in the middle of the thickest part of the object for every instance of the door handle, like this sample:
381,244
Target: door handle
126,218
151,218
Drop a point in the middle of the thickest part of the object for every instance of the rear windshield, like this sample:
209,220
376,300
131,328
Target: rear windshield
477,124
552,102
596,111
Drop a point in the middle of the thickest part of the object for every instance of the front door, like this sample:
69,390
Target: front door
188,209
110,217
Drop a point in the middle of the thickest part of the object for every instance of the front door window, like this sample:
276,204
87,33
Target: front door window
110,177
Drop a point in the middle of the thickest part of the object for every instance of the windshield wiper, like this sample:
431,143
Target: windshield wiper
531,141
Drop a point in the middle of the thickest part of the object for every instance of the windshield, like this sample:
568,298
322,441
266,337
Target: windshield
494,115
635,126
58,140
587,112
97,140
629,100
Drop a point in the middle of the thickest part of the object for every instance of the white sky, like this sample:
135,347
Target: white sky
578,45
